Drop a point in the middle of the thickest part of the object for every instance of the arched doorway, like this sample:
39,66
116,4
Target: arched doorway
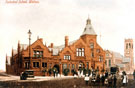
57,67
81,65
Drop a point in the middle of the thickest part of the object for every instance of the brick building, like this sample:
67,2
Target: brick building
114,59
84,52
129,55
126,62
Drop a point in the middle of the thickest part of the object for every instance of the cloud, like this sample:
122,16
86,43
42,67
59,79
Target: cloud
52,20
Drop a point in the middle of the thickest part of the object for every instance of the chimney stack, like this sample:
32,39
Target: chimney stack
51,45
66,41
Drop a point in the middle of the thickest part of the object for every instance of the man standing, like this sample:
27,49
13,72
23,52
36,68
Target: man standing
106,74
103,79
134,75
86,79
114,81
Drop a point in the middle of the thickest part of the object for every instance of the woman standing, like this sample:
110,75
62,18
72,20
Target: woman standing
125,79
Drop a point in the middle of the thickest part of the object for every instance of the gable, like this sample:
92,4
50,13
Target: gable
66,51
37,47
79,43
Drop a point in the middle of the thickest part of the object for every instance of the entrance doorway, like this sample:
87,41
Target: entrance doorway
57,67
81,65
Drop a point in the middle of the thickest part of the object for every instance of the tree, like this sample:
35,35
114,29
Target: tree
50,71
66,71
73,71
44,71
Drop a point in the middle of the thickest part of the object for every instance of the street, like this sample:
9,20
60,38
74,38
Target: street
9,81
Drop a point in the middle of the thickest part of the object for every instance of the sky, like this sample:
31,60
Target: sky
52,20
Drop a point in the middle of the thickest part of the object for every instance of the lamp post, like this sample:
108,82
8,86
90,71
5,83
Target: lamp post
29,33
60,67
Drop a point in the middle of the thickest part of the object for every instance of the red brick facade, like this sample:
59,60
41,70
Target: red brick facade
84,52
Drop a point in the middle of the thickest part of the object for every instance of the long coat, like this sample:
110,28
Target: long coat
125,79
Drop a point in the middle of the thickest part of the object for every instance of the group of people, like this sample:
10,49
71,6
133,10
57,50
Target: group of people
109,80
104,79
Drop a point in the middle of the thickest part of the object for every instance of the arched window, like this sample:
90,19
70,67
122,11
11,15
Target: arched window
127,46
91,45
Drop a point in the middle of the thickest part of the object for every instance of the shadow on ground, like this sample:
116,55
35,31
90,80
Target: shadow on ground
62,83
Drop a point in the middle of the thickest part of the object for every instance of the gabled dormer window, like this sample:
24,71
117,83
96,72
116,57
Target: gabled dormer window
67,57
80,52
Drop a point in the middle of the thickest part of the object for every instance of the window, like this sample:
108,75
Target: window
106,62
36,64
37,53
44,64
80,52
64,66
92,54
107,54
91,45
100,58
109,63
27,65
73,66
127,46
67,57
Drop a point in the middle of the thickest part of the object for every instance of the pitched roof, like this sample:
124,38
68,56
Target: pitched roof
89,29
126,60
8,60
57,49
121,65
24,46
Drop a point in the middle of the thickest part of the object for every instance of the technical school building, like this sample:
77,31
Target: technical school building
84,52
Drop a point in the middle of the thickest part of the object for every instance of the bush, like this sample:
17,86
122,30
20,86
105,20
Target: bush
44,71
73,71
86,71
50,71
66,71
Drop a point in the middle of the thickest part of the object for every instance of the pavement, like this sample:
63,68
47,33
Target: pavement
5,77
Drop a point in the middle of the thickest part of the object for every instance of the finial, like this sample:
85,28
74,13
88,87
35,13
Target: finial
6,58
88,20
12,51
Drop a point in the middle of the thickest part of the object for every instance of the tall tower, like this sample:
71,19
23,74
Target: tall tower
129,52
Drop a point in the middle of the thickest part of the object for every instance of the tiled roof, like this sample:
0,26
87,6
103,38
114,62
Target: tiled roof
126,60
120,65
8,60
24,46
14,52
89,29
57,49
